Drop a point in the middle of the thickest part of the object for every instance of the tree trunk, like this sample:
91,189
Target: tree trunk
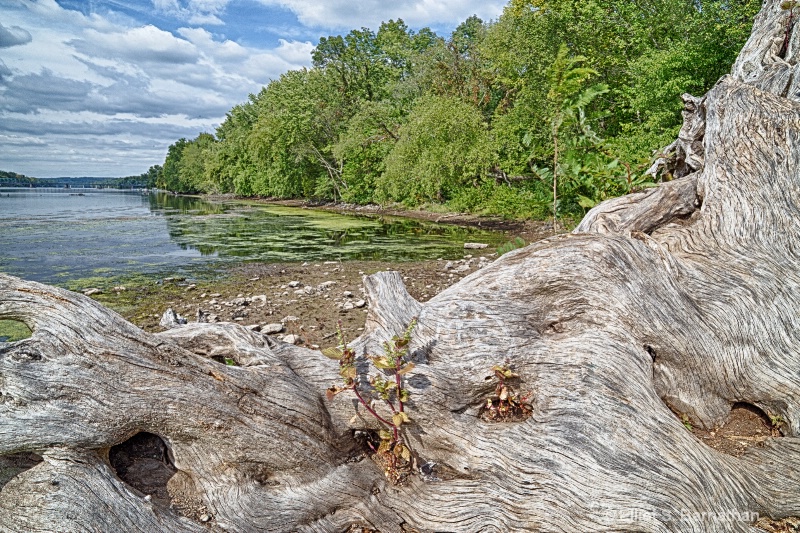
684,296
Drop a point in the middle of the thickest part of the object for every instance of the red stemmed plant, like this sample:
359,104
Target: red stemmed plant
392,452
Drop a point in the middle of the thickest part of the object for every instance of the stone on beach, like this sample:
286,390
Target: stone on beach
272,328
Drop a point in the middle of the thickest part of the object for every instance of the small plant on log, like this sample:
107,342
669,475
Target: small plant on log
506,404
392,452
778,425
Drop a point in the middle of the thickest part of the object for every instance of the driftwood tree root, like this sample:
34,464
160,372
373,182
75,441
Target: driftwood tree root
681,298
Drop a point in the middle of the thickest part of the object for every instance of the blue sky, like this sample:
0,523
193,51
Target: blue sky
103,87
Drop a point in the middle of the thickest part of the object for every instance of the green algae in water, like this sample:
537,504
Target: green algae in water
107,236
277,234
12,331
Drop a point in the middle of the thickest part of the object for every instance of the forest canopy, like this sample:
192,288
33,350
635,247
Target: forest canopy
479,121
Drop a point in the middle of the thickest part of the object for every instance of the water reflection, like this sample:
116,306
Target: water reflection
56,236
258,232
186,205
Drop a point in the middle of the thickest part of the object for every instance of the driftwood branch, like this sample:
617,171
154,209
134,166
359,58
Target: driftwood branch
682,298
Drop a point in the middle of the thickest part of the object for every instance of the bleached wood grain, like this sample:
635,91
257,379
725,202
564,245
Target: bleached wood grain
686,295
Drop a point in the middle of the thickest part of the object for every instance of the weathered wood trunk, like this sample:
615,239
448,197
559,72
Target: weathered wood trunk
686,295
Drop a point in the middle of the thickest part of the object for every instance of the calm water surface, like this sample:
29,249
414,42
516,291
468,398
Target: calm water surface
58,236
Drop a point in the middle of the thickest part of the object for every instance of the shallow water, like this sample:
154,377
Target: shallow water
60,235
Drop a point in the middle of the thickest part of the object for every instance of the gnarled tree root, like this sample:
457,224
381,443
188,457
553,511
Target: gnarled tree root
606,328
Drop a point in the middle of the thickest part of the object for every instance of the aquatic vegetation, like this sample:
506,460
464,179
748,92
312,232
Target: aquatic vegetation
113,235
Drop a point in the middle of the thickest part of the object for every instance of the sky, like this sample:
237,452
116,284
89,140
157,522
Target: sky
103,87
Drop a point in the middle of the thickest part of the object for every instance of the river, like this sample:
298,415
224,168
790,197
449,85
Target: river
66,236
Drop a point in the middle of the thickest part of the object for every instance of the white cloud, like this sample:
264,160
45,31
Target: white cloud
198,12
80,144
143,44
5,72
260,66
19,140
206,19
31,92
49,12
102,94
295,52
204,40
14,36
112,87
346,14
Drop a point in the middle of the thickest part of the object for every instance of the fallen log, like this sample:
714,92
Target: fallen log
680,299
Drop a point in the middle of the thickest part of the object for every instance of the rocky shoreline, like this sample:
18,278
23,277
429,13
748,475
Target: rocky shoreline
296,303
308,300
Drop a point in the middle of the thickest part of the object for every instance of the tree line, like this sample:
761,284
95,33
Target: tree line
146,180
13,179
550,109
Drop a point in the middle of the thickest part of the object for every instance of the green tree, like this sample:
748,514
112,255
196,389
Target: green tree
365,64
151,176
461,68
481,120
362,149
184,167
169,178
568,97
357,61
192,175
688,61
299,119
230,165
647,53
443,145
